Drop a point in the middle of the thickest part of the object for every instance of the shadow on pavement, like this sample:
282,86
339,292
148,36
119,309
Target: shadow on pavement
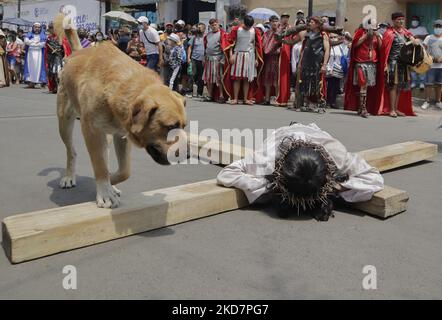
83,192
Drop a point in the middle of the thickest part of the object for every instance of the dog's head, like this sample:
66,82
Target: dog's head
157,121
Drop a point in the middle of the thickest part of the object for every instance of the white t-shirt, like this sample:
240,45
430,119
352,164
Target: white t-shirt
150,37
419,31
434,45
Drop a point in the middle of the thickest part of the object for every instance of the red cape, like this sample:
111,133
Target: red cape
254,87
284,73
383,105
351,101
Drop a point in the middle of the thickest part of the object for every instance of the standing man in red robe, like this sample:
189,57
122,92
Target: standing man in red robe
245,62
395,88
363,71
284,64
272,51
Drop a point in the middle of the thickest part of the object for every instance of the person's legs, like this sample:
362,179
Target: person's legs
438,87
429,82
413,80
236,87
363,102
393,97
332,90
173,78
421,78
267,92
199,77
245,88
210,90
152,61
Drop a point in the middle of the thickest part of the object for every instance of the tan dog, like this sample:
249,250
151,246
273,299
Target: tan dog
114,95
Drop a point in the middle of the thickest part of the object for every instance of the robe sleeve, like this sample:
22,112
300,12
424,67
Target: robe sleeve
239,175
364,180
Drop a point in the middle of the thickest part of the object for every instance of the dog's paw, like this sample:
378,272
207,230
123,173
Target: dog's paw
107,197
67,182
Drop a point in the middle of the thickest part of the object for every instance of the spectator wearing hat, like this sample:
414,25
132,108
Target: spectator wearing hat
285,17
433,43
300,15
154,51
175,60
168,30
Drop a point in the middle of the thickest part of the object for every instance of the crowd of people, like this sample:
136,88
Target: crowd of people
265,63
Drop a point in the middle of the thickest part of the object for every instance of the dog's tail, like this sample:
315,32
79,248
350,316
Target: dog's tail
63,26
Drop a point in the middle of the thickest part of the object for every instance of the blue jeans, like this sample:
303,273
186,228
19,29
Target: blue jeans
417,79
434,77
152,61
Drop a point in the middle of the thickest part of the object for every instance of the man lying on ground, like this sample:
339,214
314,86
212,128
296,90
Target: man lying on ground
301,168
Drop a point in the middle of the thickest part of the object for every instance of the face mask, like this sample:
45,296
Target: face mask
414,23
99,38
438,31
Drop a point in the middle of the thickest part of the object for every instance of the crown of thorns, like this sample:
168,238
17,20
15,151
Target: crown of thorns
278,181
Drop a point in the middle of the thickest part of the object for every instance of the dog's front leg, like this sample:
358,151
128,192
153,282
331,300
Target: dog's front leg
122,150
96,142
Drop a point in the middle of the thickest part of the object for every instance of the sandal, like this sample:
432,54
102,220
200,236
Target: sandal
393,114
249,102
232,102
400,113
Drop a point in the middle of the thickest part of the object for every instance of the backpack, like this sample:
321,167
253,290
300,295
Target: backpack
411,55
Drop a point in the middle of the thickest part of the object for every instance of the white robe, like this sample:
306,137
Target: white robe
34,58
248,175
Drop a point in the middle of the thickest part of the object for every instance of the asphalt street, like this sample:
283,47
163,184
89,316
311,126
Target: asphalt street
242,254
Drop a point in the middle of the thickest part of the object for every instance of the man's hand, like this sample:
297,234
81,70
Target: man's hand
416,41
160,62
256,63
324,68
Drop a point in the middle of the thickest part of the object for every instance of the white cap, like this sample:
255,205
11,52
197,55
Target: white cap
143,19
160,32
181,22
174,37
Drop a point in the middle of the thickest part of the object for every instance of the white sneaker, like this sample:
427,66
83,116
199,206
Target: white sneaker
439,105
425,105
422,86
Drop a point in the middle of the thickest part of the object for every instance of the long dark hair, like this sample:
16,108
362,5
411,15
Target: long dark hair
304,172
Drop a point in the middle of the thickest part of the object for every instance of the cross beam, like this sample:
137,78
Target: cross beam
41,233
